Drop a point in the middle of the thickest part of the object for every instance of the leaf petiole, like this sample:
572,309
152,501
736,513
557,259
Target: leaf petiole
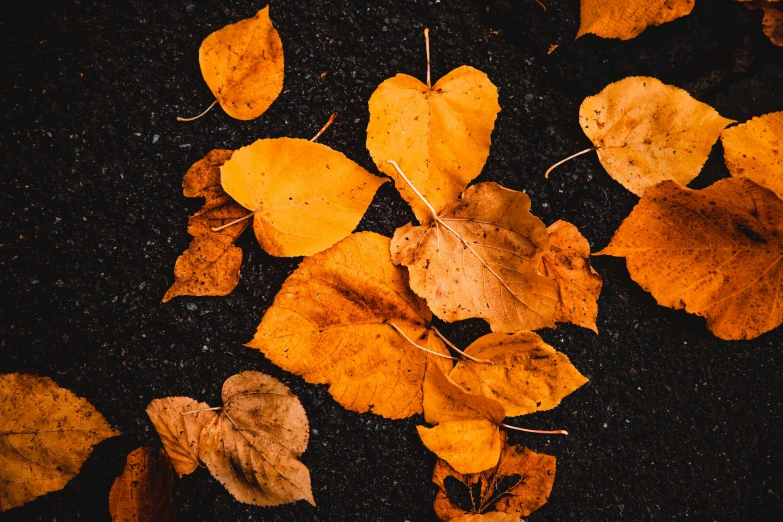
218,229
451,345
328,123
427,45
572,156
180,118
399,331
191,412
540,432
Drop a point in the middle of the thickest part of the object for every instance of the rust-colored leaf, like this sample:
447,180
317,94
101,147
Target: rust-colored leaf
772,22
716,252
531,476
210,265
755,150
143,492
479,257
626,19
46,434
342,319
567,263
179,428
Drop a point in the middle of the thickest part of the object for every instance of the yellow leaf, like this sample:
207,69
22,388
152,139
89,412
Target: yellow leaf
243,66
626,19
466,435
526,374
305,196
143,492
439,135
46,434
253,446
332,322
567,263
533,474
180,433
210,265
755,150
479,258
646,132
716,252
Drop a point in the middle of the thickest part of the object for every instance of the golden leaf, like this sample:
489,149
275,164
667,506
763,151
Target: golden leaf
210,265
339,319
46,434
525,375
626,19
479,257
253,446
755,150
466,435
534,474
716,252
567,263
646,132
143,492
305,196
439,135
242,64
492,516
180,433
773,18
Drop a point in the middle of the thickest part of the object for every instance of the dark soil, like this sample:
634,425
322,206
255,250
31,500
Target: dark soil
674,425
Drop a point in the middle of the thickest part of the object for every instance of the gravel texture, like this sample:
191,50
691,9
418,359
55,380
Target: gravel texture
674,425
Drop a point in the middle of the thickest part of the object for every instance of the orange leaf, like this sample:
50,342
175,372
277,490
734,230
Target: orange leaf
143,492
716,252
755,150
626,19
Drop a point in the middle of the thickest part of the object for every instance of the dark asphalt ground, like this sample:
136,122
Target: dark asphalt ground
674,425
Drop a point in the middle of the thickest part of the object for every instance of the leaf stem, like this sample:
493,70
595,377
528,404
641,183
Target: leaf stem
572,156
541,4
191,412
397,167
427,45
218,229
180,118
540,432
451,345
399,331
328,123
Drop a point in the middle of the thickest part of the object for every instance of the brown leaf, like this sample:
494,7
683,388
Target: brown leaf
493,516
210,265
626,19
46,434
439,135
143,492
466,435
180,433
526,374
253,446
480,258
242,64
306,196
716,252
773,18
533,476
567,263
755,150
332,322
646,132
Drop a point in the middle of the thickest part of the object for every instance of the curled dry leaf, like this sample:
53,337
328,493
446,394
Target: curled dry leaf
305,196
467,434
439,135
180,433
46,434
492,516
479,257
253,446
243,66
716,252
526,374
646,132
773,18
143,492
210,265
519,484
567,263
626,19
755,150
332,322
